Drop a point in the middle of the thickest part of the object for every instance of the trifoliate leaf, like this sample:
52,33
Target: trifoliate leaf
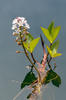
52,32
29,78
30,46
53,50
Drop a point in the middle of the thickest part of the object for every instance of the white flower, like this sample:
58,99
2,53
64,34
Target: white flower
27,26
14,21
19,21
14,27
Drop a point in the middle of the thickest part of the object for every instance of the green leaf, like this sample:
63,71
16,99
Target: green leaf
53,50
30,46
53,77
57,81
29,78
55,45
55,32
34,43
29,38
52,32
50,76
51,26
47,34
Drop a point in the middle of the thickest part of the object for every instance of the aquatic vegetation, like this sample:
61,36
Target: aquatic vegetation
45,72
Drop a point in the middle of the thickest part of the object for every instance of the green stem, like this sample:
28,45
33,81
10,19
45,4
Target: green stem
30,59
33,58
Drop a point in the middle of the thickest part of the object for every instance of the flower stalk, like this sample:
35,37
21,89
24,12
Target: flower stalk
39,77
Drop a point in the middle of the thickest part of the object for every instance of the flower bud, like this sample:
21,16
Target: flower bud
18,51
19,43
14,34
17,38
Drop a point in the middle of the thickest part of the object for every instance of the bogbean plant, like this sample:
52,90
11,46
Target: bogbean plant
45,72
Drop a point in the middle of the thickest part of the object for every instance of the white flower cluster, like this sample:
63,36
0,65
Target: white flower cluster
19,22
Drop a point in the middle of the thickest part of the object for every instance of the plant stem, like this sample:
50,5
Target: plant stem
39,79
48,61
33,58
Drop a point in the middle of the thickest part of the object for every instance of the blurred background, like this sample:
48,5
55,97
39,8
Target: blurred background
12,65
